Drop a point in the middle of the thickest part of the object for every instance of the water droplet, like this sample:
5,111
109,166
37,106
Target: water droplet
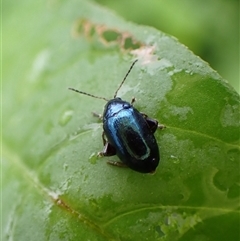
180,196
233,155
93,158
219,181
48,127
159,231
65,117
175,159
65,166
39,65
74,135
85,178
94,203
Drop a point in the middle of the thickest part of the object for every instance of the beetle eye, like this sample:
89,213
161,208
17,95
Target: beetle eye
126,106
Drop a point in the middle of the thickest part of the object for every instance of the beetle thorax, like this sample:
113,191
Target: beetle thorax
114,106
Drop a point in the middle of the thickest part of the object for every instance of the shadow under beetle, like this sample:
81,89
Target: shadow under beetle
128,133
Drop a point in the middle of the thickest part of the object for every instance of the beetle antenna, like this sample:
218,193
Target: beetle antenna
124,78
84,93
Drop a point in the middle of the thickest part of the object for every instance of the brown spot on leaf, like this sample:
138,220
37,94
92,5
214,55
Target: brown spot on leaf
106,35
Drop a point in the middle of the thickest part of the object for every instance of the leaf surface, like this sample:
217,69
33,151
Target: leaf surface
55,187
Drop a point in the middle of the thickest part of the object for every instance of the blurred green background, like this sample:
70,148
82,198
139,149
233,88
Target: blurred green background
210,28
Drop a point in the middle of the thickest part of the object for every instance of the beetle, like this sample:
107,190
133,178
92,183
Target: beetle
128,133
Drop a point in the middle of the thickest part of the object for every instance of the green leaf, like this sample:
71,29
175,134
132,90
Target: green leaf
54,187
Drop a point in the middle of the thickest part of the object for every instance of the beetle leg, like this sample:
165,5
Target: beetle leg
152,123
103,138
117,164
108,150
144,115
161,127
97,115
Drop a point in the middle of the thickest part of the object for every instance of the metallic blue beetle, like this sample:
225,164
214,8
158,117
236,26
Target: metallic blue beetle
129,134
